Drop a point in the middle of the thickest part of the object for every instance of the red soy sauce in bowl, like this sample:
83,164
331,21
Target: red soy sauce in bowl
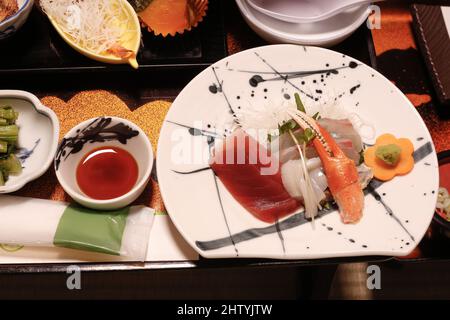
107,173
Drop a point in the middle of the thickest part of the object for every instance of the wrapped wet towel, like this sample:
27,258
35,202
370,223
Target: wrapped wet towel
36,222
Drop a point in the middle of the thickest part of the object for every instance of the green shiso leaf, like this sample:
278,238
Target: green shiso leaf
299,103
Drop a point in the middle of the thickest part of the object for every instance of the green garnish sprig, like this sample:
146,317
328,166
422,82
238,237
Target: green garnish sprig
9,133
291,126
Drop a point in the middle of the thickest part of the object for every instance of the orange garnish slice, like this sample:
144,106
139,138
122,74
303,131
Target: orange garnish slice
383,171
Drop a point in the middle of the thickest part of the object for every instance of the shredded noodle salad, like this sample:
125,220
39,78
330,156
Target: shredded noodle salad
96,25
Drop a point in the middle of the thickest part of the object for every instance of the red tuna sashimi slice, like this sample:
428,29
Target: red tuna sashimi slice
263,195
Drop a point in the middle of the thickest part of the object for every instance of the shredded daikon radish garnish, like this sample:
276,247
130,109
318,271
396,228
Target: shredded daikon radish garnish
96,25
264,116
312,203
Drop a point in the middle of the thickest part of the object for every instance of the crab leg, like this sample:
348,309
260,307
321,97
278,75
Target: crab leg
341,172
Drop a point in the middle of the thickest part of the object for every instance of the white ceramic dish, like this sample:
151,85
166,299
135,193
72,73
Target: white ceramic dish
38,136
131,40
304,11
10,25
325,33
217,226
92,134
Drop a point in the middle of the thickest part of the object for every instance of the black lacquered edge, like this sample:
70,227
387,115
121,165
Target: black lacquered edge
171,265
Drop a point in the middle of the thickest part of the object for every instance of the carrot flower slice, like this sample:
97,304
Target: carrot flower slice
384,171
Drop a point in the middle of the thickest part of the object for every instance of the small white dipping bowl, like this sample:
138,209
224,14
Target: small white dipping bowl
96,133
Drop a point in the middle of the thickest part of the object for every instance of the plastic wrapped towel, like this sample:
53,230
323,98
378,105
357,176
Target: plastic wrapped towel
36,222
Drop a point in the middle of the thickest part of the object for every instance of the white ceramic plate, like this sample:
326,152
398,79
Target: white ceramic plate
323,33
228,230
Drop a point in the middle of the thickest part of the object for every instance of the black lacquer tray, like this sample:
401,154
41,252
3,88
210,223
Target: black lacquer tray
38,60
37,48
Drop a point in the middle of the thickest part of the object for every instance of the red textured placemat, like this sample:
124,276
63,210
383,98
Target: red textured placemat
399,59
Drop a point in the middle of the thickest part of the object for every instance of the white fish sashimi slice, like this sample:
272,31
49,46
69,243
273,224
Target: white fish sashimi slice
292,167
291,153
286,154
342,129
365,174
291,174
313,163
348,147
319,178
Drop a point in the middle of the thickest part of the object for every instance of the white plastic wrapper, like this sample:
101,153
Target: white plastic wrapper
36,222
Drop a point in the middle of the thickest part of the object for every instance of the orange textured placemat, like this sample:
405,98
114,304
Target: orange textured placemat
90,104
399,59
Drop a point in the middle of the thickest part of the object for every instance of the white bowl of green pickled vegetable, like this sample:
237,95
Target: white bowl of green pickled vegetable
29,134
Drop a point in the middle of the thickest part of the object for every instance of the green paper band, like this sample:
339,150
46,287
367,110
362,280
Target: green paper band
85,229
